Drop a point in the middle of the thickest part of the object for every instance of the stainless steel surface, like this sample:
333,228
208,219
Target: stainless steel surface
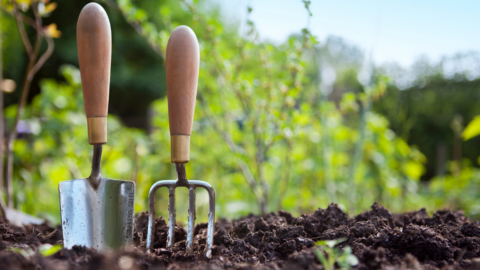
97,212
191,219
100,219
172,213
191,185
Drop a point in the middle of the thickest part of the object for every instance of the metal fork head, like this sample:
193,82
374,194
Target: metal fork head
172,185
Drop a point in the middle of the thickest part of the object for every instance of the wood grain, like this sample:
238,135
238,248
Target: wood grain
182,66
94,44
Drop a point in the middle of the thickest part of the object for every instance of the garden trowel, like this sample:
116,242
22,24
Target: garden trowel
96,212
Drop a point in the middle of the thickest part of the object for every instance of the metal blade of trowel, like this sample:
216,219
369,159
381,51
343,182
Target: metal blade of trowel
96,212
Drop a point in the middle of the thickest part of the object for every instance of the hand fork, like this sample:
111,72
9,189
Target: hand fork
182,66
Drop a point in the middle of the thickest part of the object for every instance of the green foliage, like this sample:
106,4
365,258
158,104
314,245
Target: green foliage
267,134
137,72
45,250
423,115
27,253
457,190
53,151
48,250
261,114
329,255
13,58
263,132
472,129
431,116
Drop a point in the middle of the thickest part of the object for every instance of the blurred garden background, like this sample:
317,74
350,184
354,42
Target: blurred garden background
293,124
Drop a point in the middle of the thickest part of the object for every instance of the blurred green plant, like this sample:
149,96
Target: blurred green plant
27,253
330,255
45,250
261,114
53,147
458,188
265,136
472,130
270,131
35,62
423,115
48,250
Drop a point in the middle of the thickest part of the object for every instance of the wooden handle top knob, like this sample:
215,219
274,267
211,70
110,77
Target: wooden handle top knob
94,44
182,67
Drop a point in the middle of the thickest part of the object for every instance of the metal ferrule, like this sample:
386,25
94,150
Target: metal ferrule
97,130
180,147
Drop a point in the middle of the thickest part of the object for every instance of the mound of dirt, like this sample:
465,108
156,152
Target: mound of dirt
380,240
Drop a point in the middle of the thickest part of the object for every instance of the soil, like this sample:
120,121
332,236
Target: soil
380,240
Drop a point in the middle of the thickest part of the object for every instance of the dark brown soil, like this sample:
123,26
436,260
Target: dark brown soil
379,239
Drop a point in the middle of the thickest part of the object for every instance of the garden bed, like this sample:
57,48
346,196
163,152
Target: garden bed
380,240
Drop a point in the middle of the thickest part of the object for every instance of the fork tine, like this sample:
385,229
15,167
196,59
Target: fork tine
211,220
171,216
151,216
191,219
151,210
211,213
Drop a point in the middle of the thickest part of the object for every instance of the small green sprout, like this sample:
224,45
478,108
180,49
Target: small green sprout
48,250
344,258
45,250
27,253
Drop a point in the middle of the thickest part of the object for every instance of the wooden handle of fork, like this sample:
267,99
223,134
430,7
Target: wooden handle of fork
182,66
94,44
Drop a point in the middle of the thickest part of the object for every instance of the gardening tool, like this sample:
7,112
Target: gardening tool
96,212
182,66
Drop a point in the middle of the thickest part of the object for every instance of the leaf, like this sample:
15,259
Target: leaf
331,243
351,260
322,259
52,31
413,169
45,9
140,15
24,2
472,129
47,249
307,6
50,7
24,253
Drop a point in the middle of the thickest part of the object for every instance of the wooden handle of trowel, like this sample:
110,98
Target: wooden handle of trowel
94,44
182,65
